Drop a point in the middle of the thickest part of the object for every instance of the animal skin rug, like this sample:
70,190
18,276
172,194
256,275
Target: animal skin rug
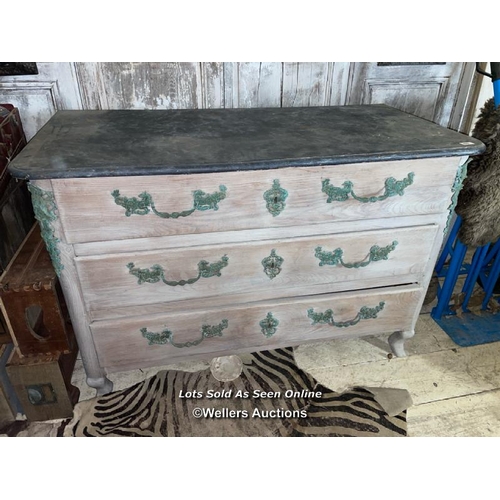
155,407
479,200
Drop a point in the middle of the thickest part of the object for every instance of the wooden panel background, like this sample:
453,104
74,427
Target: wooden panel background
429,90
38,97
439,92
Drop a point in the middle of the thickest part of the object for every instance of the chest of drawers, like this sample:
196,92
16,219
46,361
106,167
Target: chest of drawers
204,233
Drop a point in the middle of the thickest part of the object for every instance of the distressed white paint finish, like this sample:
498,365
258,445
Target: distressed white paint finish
91,85
253,84
38,97
63,73
466,99
439,93
428,91
421,98
212,85
36,100
305,84
285,84
338,83
130,85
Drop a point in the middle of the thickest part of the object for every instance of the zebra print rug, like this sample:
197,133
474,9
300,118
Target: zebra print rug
156,407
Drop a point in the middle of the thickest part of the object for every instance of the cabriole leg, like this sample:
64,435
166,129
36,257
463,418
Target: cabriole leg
397,342
102,384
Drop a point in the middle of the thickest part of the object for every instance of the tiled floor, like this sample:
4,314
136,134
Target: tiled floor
455,390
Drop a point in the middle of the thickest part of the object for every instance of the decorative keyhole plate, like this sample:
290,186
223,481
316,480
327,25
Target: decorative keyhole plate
275,198
269,325
272,264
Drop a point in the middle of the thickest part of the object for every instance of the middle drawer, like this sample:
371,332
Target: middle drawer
257,270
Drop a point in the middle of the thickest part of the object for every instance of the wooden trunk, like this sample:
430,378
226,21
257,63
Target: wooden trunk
32,302
43,385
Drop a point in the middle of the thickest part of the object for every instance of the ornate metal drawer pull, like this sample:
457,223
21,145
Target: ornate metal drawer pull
269,325
272,264
145,204
392,188
327,317
167,337
275,198
157,273
336,257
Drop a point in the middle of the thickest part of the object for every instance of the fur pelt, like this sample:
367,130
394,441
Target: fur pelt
479,200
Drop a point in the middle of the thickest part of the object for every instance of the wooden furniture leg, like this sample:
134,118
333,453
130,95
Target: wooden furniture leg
397,342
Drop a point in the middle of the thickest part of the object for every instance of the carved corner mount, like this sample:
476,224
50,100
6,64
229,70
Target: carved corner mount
455,190
45,209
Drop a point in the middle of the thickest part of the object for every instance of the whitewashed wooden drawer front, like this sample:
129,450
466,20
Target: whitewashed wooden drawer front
180,234
131,207
258,270
148,340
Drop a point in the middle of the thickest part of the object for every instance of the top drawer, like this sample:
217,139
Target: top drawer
115,208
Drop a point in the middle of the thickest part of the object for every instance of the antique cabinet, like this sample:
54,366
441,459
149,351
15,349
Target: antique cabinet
204,233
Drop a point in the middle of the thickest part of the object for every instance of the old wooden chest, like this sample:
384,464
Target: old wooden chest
202,233
32,302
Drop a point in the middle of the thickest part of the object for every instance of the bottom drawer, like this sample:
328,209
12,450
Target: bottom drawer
130,343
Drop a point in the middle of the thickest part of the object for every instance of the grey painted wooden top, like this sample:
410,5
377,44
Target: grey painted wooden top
112,143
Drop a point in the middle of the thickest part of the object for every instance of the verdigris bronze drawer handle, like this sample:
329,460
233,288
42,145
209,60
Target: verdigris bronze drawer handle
392,188
327,317
144,204
269,325
167,337
336,257
156,273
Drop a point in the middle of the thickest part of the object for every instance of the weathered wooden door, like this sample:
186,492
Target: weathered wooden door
39,96
428,90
